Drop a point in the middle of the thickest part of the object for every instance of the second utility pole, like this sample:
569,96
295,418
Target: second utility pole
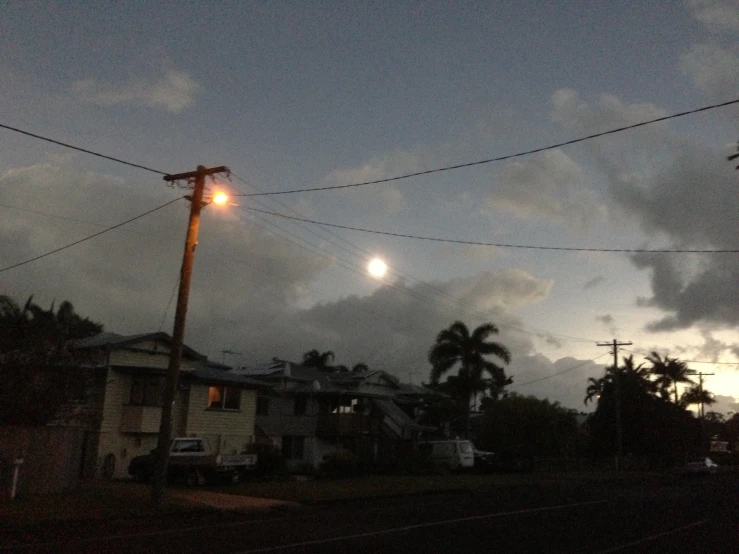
617,382
197,177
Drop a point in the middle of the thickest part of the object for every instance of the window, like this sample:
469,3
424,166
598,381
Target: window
292,447
221,397
301,405
146,390
185,445
262,405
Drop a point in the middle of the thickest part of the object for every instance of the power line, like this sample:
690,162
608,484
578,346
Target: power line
686,361
79,149
467,308
506,157
90,236
419,293
499,245
573,368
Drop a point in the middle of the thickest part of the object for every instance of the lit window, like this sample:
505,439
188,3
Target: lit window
221,397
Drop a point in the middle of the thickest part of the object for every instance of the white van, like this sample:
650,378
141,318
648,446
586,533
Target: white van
452,454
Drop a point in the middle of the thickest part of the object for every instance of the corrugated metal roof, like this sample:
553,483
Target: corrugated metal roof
223,377
106,340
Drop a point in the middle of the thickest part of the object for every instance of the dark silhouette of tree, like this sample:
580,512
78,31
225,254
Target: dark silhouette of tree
319,360
357,368
523,427
594,390
457,347
39,370
697,395
654,428
669,372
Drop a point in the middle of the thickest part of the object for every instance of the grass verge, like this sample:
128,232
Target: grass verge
315,491
94,500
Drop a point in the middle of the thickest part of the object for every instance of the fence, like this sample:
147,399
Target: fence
54,458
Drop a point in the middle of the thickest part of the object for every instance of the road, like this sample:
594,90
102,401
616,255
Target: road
696,514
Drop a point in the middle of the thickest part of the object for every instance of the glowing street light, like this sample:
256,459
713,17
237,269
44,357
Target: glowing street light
220,198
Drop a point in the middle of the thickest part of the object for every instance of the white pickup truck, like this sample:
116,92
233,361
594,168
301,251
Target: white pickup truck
192,460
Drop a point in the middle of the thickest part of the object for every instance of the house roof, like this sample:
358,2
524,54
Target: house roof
208,374
114,340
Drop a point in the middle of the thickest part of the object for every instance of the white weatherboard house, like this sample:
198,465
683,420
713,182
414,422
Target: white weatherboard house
211,402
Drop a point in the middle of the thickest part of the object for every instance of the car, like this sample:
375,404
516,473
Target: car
484,461
704,466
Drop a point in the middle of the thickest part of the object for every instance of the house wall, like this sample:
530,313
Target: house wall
226,430
281,419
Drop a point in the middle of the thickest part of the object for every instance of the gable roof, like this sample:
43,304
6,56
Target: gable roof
111,341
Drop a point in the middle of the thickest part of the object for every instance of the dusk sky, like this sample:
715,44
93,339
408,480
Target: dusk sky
317,94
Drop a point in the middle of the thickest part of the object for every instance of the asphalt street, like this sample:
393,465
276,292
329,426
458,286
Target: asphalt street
689,515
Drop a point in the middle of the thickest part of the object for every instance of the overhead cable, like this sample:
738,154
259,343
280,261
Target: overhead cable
496,244
79,149
573,368
501,158
71,244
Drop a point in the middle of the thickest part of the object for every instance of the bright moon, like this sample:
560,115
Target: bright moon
377,267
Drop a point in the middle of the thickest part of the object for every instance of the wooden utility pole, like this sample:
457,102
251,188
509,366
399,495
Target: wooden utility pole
197,178
700,387
617,382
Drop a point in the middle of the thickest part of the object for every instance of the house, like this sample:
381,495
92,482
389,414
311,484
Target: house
309,413
210,401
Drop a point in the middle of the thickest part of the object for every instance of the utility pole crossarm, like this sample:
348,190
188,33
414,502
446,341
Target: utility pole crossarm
198,172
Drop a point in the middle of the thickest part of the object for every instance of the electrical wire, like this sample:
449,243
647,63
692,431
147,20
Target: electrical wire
498,245
467,308
90,236
79,149
418,293
506,157
686,361
573,368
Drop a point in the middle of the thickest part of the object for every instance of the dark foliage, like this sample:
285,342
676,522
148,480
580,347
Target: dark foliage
42,377
525,427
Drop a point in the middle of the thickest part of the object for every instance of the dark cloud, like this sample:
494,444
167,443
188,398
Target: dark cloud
594,282
608,322
684,192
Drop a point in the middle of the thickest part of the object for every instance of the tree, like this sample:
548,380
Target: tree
321,361
41,375
456,346
357,368
526,427
652,427
669,372
594,390
697,395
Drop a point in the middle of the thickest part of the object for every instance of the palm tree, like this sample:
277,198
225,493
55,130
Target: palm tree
697,395
638,375
314,358
456,346
595,388
669,372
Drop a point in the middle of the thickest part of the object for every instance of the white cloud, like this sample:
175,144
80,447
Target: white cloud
714,69
717,15
548,186
172,91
